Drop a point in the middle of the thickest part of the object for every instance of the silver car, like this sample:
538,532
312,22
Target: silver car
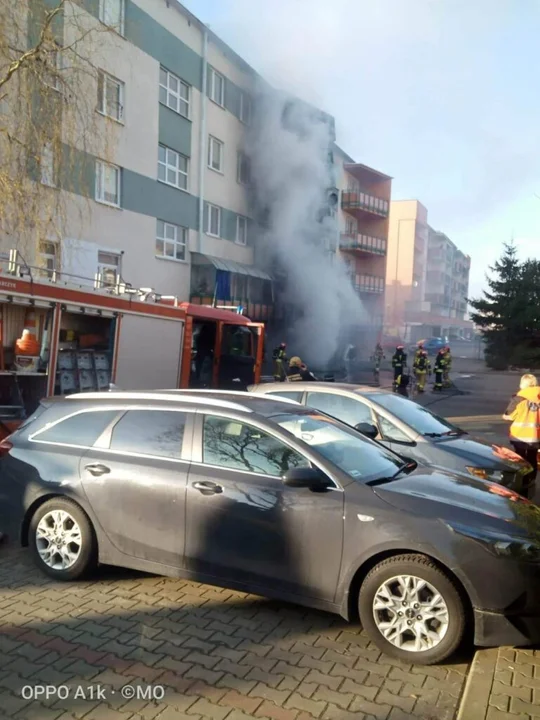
410,430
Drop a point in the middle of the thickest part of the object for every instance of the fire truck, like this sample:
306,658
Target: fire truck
63,334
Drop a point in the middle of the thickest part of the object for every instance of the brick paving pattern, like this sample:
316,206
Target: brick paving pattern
218,654
515,692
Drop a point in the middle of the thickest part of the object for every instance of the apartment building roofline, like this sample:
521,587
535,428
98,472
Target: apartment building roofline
351,164
212,35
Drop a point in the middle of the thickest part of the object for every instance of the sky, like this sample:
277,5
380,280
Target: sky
443,95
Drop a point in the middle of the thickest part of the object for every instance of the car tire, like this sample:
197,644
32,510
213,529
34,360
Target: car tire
401,632
62,540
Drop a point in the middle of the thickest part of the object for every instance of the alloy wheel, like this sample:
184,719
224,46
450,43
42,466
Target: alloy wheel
58,540
410,613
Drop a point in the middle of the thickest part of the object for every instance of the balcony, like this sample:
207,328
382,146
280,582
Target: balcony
364,202
370,284
362,243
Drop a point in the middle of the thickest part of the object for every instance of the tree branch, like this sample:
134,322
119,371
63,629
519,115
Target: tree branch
34,52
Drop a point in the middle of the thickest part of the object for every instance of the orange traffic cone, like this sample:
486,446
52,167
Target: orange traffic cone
27,344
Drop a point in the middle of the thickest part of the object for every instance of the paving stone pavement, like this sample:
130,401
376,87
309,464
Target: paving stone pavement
503,684
201,653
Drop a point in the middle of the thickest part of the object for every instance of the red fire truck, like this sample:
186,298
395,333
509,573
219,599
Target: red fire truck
88,334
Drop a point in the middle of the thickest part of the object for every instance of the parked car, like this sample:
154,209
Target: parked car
268,497
408,429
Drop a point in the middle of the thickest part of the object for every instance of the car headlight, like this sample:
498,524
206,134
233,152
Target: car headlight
501,544
483,474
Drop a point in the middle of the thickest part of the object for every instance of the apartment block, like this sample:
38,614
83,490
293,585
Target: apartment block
447,277
168,208
427,277
406,262
363,226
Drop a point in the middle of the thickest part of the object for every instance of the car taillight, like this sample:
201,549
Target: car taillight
5,447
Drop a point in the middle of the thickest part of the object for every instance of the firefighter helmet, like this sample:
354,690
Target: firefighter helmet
295,362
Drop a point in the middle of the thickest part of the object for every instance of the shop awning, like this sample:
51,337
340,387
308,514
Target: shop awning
230,266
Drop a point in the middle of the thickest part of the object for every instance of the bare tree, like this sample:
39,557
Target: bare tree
50,130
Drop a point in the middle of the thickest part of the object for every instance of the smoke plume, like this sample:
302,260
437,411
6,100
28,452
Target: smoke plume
292,174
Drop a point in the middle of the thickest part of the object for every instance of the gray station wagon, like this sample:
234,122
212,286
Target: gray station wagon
407,428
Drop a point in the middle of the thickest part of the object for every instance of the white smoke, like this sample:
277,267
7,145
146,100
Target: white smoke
292,176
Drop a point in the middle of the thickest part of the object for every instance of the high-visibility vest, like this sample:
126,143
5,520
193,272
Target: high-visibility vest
526,417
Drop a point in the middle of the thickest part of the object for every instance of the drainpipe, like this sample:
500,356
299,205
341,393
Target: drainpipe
202,140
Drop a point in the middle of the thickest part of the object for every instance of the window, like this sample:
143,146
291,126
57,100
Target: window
241,230
174,93
171,241
109,268
47,165
213,220
107,183
296,396
419,418
245,107
237,446
348,450
390,432
111,13
48,257
82,429
217,87
172,168
350,411
215,154
110,96
242,168
150,432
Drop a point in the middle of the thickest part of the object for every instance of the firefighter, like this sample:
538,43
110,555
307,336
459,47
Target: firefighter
399,363
419,351
422,367
439,366
524,412
447,367
298,371
279,356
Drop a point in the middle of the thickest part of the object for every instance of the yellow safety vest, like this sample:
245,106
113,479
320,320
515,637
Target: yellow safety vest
526,417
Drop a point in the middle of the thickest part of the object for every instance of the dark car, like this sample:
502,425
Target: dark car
267,497
408,429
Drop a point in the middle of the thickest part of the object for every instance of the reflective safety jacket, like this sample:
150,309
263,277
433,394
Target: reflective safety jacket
297,374
525,414
422,364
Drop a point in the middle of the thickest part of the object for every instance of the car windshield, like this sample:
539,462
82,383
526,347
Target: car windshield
419,418
362,459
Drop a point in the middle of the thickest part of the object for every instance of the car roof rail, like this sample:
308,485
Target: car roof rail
160,395
256,396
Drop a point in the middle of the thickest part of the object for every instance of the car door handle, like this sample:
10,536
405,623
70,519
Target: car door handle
207,488
97,470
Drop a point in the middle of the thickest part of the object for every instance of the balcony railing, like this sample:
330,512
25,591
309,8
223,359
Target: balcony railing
352,200
365,243
368,284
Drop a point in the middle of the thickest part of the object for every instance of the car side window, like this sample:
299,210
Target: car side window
390,432
237,446
293,395
82,429
150,432
350,411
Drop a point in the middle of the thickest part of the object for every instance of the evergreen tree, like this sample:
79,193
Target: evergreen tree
509,312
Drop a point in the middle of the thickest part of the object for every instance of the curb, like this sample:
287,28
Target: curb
474,703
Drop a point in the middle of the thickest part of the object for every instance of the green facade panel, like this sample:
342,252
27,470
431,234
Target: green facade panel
155,40
147,196
174,131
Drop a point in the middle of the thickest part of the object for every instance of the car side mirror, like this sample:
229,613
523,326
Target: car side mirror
306,477
367,429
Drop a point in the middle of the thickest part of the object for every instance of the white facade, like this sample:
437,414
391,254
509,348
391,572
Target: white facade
95,228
